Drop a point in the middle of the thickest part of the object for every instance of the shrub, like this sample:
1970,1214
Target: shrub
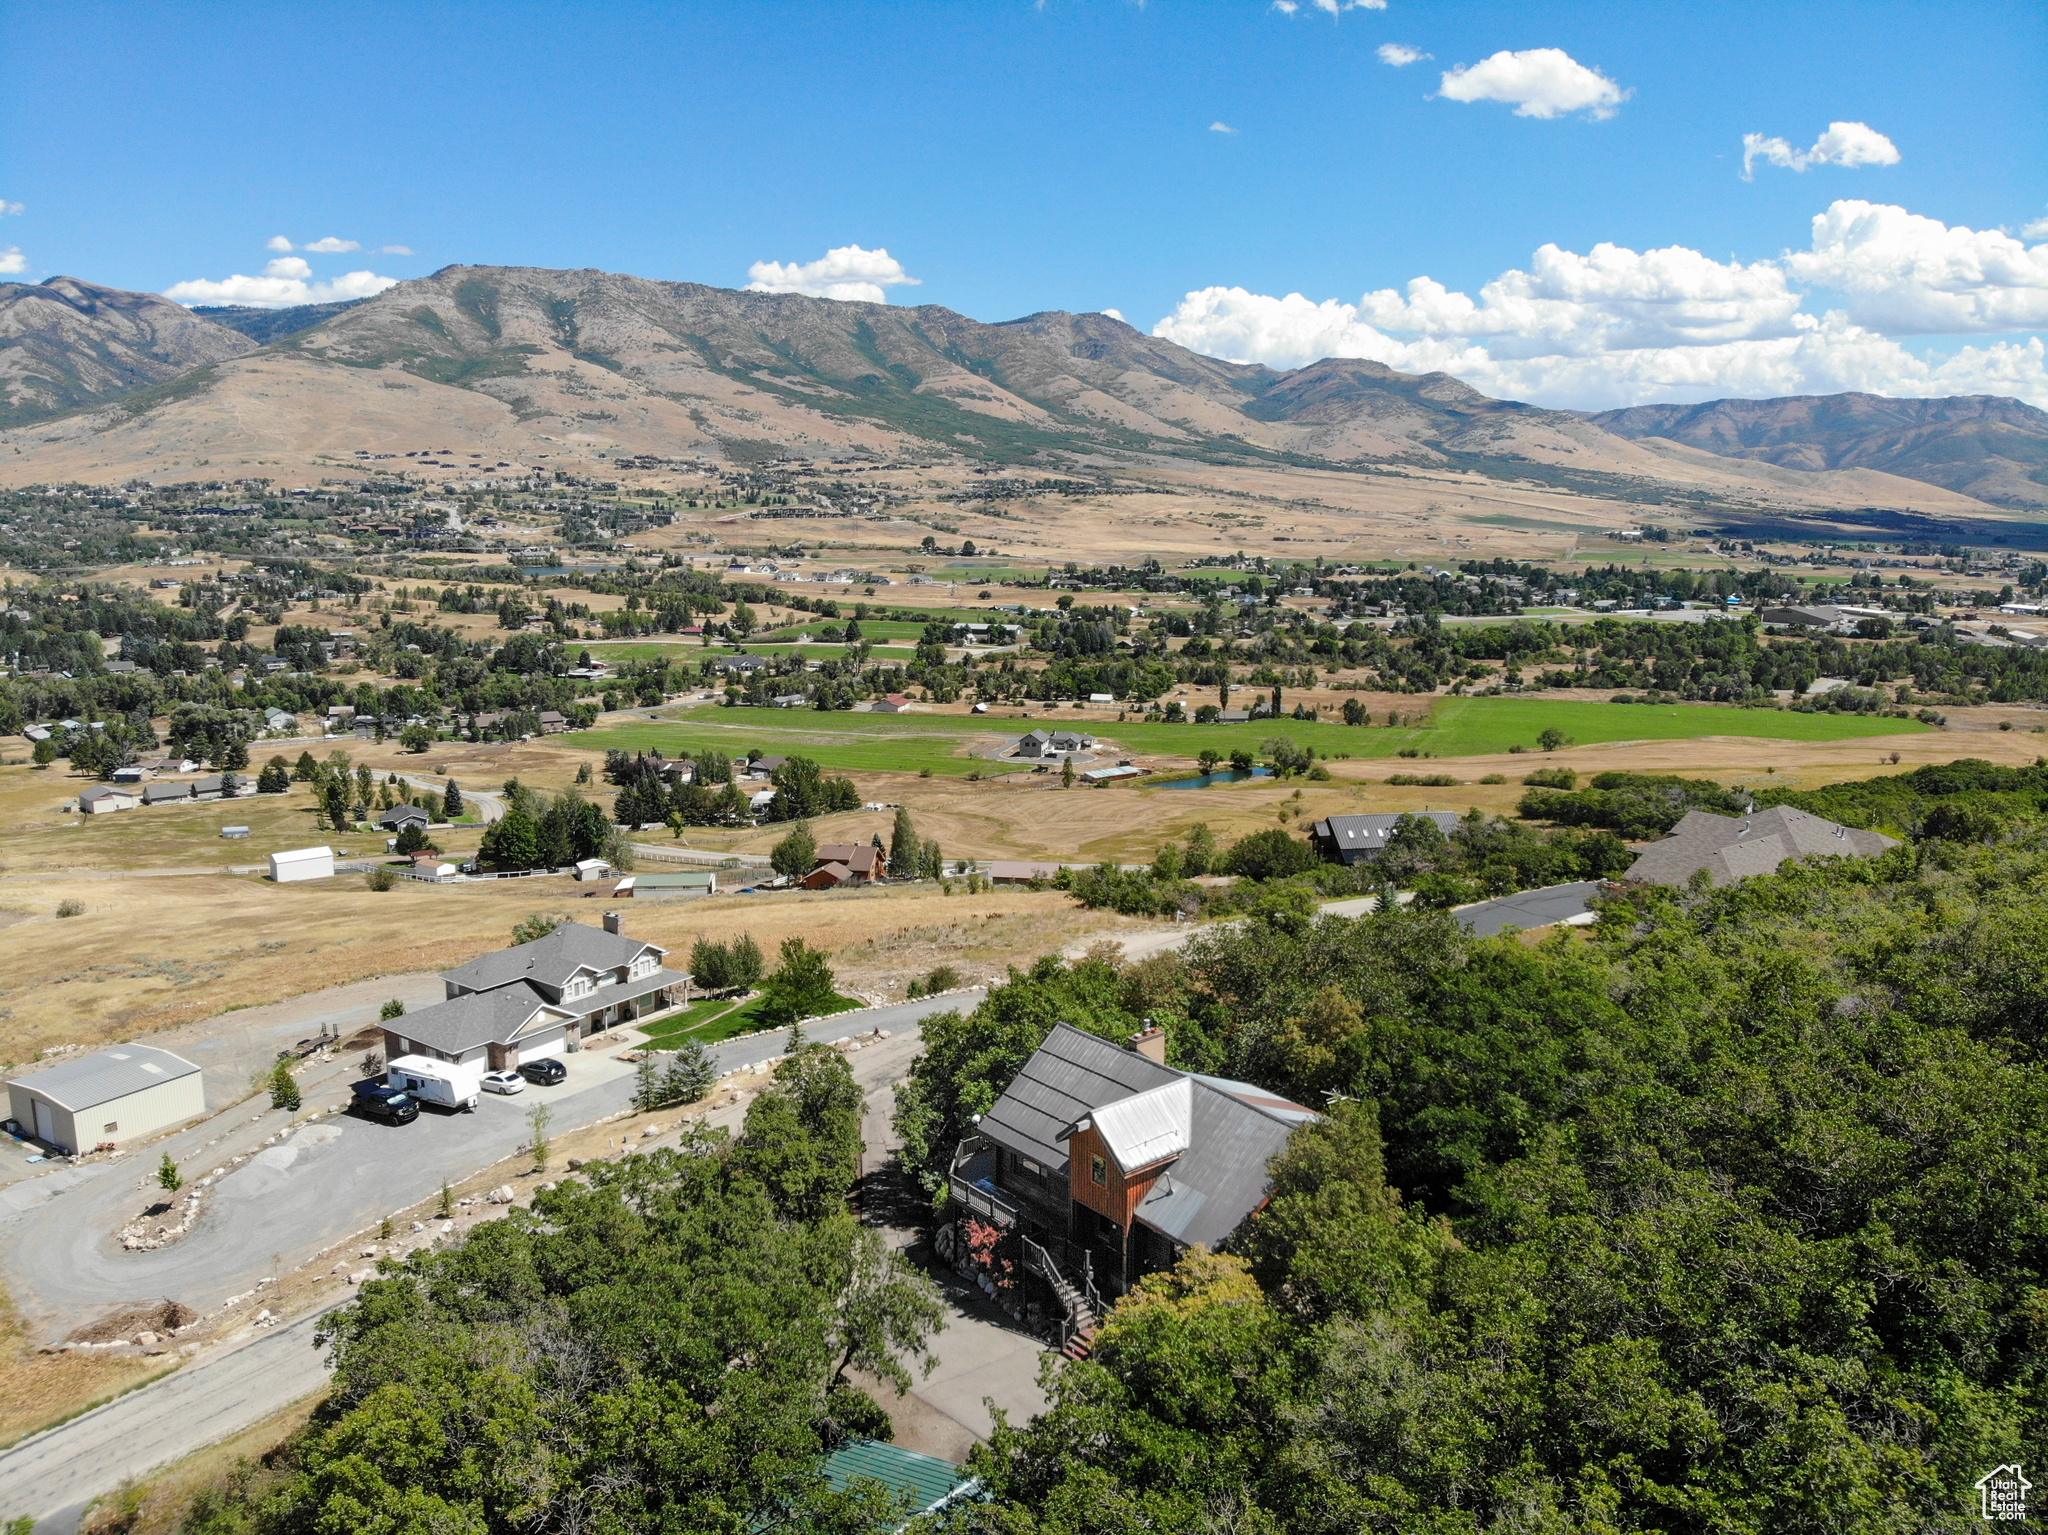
1495,778
1424,780
1551,778
1269,855
70,908
380,879
392,1009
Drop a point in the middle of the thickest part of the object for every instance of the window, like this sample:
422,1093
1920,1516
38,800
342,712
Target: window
1098,1171
110,1127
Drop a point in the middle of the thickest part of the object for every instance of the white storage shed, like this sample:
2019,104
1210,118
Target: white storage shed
112,1097
302,863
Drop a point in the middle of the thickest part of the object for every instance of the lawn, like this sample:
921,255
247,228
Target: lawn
1457,727
821,736
710,1022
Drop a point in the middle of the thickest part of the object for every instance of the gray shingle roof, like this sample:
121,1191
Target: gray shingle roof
481,1018
1206,1193
399,815
1731,848
95,1079
551,960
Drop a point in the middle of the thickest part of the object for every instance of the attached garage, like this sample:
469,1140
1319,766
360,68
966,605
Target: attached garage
116,1096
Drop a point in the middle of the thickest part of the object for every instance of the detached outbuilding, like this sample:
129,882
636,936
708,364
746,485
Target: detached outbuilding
115,1096
302,863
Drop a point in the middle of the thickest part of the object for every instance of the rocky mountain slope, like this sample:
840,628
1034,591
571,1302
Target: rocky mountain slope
526,363
264,326
66,343
1986,446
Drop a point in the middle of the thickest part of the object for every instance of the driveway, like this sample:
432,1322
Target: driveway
324,1181
55,1474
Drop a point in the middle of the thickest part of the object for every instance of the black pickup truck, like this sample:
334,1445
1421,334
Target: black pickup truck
374,1100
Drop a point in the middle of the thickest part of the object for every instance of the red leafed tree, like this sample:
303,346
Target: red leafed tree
982,1243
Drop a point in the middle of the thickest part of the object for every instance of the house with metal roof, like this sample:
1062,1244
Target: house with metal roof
1731,848
1356,838
1109,1164
599,976
108,1098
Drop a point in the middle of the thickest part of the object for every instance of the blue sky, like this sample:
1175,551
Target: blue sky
1013,158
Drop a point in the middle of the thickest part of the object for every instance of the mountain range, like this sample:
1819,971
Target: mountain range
96,381
1983,445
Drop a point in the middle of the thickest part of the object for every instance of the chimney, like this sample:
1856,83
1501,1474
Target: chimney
1150,1043
614,923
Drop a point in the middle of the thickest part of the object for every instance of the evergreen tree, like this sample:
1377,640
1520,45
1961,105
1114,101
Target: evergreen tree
168,1178
284,1088
306,770
451,802
906,851
690,1073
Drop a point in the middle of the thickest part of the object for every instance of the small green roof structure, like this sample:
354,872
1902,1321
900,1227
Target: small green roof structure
928,1482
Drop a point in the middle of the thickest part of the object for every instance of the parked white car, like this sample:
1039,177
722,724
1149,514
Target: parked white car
503,1082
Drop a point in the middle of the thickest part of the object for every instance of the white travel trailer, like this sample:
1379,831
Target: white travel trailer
446,1083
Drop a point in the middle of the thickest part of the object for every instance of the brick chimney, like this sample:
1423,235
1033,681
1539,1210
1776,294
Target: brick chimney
1150,1043
614,923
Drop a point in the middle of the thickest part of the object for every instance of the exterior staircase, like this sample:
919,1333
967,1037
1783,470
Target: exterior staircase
1081,1318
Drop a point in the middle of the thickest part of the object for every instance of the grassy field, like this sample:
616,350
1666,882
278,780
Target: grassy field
1457,727
839,750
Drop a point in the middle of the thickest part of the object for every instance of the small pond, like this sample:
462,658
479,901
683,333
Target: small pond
1209,780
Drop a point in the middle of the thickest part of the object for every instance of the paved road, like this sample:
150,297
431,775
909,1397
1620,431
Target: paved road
1531,909
55,1474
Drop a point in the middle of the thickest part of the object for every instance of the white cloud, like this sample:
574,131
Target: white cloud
394,250
1620,327
1221,127
1285,7
330,246
1540,82
1400,54
1909,275
8,209
278,243
283,284
1116,314
846,272
12,261
1843,144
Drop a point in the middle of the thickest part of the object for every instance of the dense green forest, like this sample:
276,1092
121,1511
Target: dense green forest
1729,1216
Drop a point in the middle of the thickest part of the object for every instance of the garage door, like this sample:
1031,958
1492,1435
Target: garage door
542,1044
46,1129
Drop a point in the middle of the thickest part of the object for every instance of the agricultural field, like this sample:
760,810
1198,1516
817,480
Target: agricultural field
1455,727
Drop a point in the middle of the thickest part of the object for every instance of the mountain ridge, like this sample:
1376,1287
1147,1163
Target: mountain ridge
536,362
67,344
1990,447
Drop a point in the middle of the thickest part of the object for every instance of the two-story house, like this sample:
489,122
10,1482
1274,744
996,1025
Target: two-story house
530,1000
1112,1164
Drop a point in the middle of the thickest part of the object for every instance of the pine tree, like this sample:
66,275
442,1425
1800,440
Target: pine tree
647,1084
284,1088
690,1073
168,1178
